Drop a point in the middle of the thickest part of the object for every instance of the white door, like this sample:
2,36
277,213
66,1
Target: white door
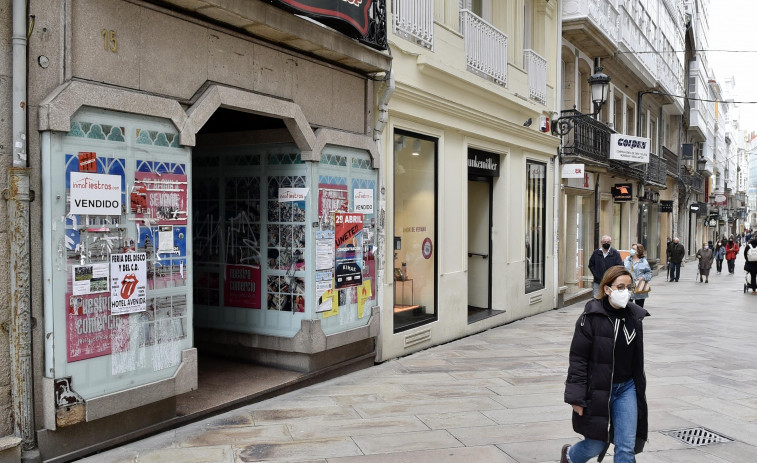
479,239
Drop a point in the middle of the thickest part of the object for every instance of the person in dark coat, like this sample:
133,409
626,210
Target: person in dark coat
606,384
675,253
602,259
751,265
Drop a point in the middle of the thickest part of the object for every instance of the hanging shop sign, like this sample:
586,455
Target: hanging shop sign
627,148
242,286
481,163
666,206
342,14
348,231
128,287
720,200
622,192
573,171
362,200
713,222
95,194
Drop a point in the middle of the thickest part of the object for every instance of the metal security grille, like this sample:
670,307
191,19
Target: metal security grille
696,436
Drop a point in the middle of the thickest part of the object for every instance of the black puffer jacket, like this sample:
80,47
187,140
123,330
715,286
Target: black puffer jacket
589,382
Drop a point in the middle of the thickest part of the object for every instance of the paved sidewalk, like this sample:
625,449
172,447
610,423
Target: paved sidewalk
498,396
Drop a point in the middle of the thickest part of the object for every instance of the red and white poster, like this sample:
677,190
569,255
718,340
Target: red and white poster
128,283
332,198
348,237
160,199
90,327
242,286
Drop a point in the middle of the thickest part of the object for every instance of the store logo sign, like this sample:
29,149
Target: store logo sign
630,149
481,163
351,13
622,192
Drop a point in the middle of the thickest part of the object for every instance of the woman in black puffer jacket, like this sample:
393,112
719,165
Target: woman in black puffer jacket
606,384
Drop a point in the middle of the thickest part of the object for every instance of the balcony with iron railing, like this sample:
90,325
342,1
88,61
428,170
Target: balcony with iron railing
693,182
657,171
589,141
536,68
485,48
414,21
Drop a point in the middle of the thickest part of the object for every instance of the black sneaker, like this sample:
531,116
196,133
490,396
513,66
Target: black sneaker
564,454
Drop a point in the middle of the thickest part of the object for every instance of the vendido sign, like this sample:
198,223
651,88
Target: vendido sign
481,163
628,148
337,13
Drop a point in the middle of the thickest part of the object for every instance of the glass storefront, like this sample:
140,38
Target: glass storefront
536,211
578,233
415,188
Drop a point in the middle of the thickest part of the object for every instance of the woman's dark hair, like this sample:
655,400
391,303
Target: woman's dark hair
639,250
610,276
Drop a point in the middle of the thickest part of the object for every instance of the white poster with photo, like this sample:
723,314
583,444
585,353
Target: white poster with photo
90,279
324,249
323,291
128,283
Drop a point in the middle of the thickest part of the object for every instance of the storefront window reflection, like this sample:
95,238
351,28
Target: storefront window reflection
536,207
414,230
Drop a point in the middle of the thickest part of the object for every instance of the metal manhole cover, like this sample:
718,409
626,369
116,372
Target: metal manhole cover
697,436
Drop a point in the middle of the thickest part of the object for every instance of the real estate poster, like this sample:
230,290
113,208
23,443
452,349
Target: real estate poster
128,283
348,230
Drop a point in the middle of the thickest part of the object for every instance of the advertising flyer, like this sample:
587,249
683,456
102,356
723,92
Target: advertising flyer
128,288
160,198
324,283
90,326
90,279
324,249
242,286
332,198
348,230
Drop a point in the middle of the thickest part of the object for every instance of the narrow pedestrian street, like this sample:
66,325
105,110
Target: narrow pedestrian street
498,396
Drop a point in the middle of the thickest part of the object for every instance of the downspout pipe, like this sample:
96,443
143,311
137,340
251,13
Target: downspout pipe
18,197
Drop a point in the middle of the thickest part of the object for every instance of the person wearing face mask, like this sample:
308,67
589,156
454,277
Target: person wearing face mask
606,384
731,251
637,264
675,254
719,255
602,259
705,256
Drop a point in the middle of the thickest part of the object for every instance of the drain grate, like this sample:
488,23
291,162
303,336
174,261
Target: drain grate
696,436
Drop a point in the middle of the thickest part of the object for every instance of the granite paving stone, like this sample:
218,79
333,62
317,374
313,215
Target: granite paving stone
406,442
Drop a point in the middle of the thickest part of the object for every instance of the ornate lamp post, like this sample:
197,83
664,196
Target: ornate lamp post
600,87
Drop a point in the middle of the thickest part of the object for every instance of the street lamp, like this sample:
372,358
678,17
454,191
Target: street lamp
600,86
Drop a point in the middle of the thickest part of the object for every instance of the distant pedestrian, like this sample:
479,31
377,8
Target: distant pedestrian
602,259
675,254
719,255
606,382
750,254
731,251
705,257
637,264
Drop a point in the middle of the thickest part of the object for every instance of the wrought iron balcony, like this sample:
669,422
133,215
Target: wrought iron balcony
414,21
589,140
694,182
485,47
656,171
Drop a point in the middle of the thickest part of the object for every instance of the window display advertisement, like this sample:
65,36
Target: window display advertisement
128,283
90,326
242,286
348,231
160,198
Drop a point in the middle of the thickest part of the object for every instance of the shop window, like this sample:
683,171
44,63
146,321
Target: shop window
536,215
415,189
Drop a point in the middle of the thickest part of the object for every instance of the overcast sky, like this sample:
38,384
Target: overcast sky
733,26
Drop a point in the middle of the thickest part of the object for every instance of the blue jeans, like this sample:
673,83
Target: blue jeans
675,271
624,412
595,288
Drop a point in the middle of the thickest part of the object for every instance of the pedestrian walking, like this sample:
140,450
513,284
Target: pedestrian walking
750,255
719,255
637,264
675,254
731,251
602,259
606,384
705,256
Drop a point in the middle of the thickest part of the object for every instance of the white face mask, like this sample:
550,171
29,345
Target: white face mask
620,298
632,252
